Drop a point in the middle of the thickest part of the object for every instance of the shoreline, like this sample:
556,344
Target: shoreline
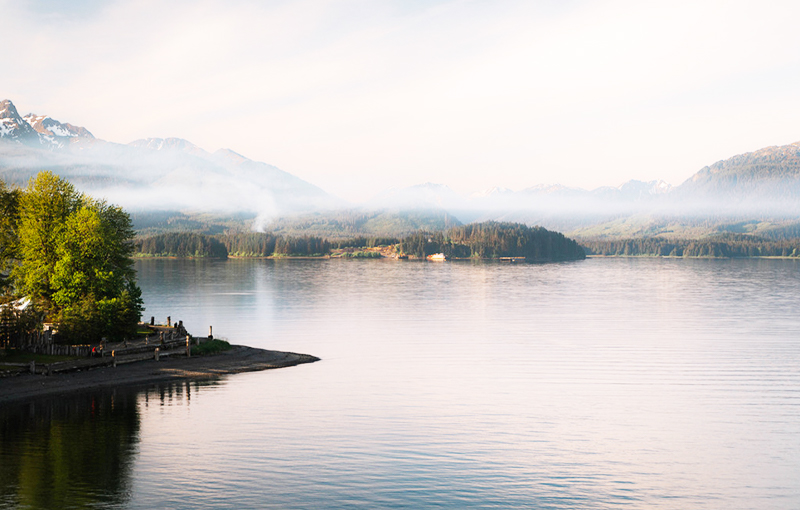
645,256
142,373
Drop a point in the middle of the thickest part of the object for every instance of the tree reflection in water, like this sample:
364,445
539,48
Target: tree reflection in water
68,452
78,450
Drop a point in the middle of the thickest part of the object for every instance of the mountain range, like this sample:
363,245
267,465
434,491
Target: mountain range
180,179
153,173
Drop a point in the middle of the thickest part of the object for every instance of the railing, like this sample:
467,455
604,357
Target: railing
105,357
60,350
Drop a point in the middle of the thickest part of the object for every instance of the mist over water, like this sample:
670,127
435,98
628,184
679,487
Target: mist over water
174,176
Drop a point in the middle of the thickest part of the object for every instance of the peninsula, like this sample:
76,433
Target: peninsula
238,359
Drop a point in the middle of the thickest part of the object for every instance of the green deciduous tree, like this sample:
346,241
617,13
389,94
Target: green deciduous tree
93,279
9,216
44,208
75,261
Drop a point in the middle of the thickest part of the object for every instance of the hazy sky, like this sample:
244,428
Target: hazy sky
358,96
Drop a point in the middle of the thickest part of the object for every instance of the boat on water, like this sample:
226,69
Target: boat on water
439,257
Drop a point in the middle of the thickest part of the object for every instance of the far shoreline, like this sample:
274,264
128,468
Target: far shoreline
645,256
239,359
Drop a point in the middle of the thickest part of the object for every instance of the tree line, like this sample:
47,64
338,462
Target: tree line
68,256
180,244
251,244
492,240
722,246
483,240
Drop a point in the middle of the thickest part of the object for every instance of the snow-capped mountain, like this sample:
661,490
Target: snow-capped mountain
494,191
633,190
168,144
54,132
151,173
174,174
13,127
37,130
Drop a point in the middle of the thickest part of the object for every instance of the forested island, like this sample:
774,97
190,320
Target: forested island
494,240
489,240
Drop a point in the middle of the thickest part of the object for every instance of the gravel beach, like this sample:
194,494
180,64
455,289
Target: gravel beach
238,359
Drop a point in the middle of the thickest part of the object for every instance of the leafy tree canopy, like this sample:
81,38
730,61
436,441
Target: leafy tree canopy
9,212
73,258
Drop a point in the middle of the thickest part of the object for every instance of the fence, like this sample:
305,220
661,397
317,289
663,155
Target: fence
60,350
13,334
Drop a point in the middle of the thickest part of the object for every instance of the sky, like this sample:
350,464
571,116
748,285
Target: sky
357,96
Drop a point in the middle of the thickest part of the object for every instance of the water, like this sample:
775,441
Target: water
607,383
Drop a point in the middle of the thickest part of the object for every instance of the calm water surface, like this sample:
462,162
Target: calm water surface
608,383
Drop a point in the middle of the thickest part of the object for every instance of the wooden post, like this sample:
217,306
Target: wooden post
188,347
210,333
114,358
169,321
33,366
156,354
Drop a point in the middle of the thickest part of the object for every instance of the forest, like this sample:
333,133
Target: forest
489,240
492,240
250,244
482,240
721,246
181,245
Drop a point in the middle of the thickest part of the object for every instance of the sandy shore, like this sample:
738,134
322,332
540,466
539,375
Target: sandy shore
239,359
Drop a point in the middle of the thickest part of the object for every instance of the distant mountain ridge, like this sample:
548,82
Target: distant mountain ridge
767,180
768,174
172,174
756,191
152,173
